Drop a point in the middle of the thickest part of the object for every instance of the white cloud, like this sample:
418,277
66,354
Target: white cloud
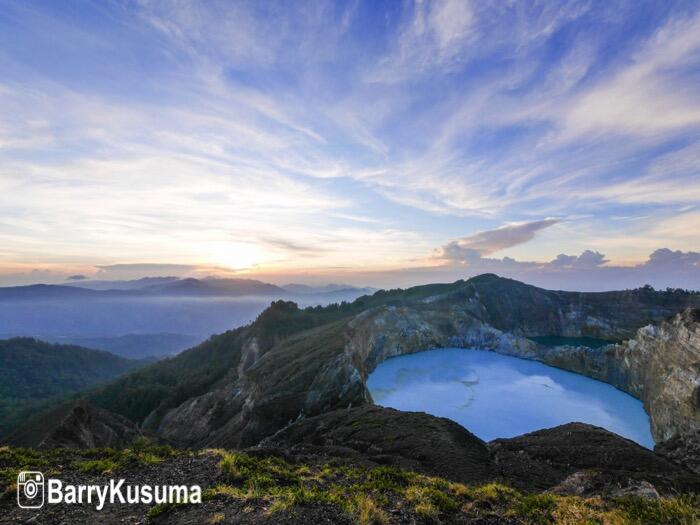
252,131
674,260
434,36
587,259
644,97
490,241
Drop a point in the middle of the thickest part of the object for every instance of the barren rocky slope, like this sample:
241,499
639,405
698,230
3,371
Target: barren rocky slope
570,459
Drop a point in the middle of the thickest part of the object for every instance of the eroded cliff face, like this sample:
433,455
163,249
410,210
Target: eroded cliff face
391,331
660,366
271,387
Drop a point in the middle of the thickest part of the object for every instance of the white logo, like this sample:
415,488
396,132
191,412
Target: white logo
30,489
31,485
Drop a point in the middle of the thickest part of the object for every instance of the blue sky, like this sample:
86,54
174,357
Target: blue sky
375,142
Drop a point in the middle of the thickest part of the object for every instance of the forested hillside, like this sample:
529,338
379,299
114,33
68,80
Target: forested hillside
33,373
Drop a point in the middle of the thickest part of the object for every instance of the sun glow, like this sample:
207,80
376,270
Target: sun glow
236,255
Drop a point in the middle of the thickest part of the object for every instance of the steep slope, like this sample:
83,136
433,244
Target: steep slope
660,365
530,311
150,392
291,363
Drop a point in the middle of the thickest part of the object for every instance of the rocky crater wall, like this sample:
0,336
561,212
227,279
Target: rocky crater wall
282,380
660,365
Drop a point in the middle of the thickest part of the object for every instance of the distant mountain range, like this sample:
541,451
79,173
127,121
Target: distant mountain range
305,289
134,284
150,317
176,287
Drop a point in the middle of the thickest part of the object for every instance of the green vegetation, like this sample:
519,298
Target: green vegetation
34,374
167,383
96,461
369,495
678,510
33,369
152,391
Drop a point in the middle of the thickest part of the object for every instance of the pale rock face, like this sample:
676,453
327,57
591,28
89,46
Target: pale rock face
660,366
664,364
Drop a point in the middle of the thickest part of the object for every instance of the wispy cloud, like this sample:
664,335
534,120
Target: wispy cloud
290,134
432,35
646,96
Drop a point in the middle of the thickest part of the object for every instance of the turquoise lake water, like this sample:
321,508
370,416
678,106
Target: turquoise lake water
494,396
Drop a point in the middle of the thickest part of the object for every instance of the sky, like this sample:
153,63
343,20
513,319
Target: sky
377,143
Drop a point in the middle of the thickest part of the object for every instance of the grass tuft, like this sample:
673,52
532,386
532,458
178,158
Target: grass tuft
368,512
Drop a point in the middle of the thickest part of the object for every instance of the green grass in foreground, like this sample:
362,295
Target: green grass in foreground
97,461
368,495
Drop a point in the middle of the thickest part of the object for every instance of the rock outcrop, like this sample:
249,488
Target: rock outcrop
683,449
582,459
571,459
374,436
78,425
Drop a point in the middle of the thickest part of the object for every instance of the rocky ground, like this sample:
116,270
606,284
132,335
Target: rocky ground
373,465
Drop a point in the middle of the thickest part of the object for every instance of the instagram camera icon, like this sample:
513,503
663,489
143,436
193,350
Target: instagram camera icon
30,490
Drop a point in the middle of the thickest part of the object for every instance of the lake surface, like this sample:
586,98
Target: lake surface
494,396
